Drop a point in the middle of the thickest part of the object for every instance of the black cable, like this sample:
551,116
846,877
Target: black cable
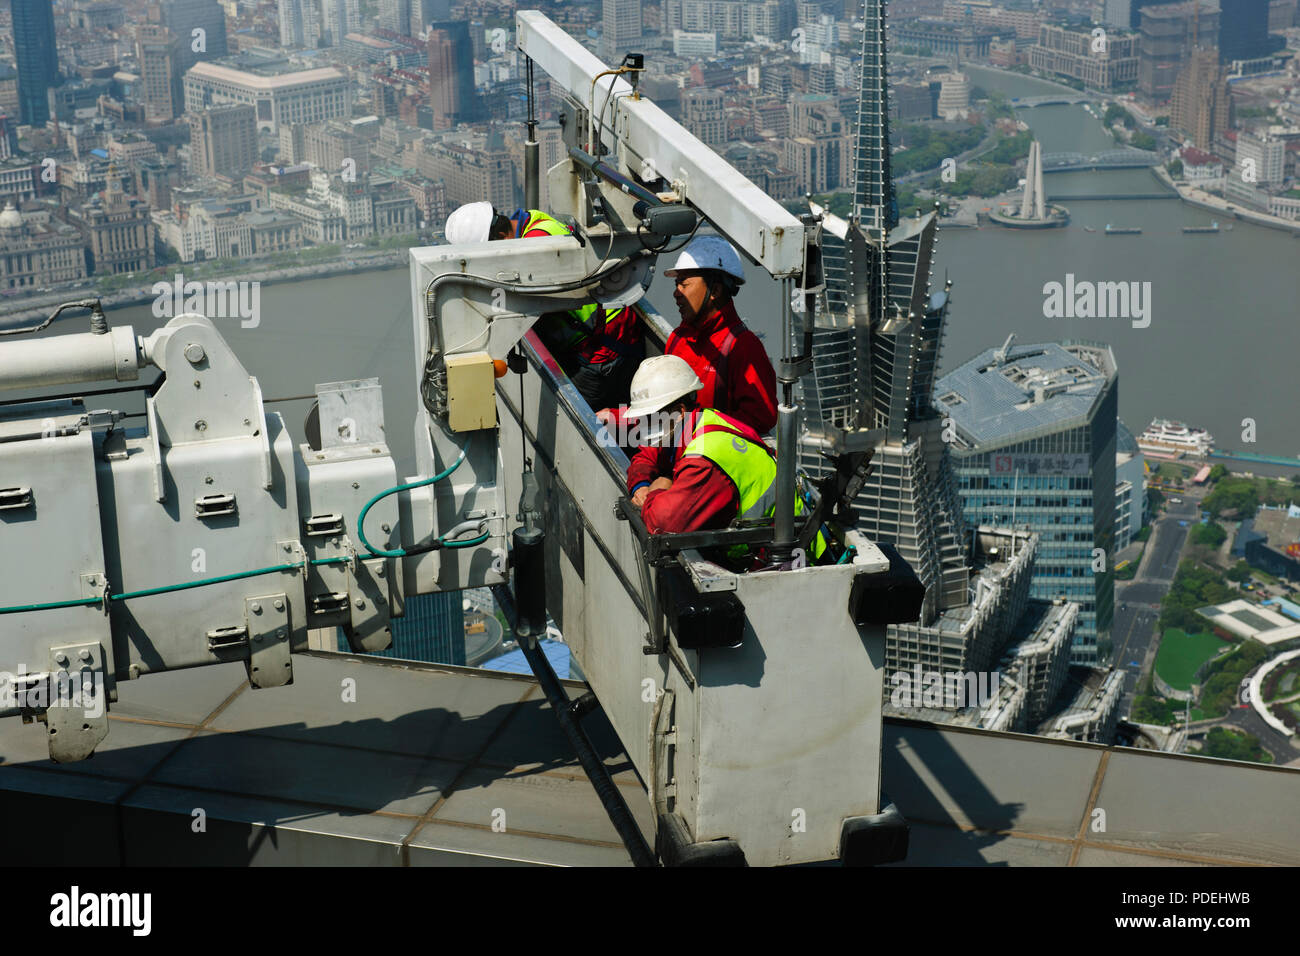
698,222
640,229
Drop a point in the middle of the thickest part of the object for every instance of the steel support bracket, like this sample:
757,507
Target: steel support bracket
77,712
267,619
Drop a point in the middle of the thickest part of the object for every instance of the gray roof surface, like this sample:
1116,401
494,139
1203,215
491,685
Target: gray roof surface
994,408
412,772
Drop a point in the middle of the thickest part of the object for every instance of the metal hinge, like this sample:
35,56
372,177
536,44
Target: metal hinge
210,506
222,638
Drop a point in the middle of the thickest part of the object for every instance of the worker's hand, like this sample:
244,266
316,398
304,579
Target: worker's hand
607,417
638,499
660,484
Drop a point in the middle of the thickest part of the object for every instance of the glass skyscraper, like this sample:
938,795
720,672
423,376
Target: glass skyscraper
37,56
1032,432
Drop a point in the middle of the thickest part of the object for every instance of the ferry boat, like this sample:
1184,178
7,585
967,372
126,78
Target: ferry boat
1122,230
1212,227
1164,437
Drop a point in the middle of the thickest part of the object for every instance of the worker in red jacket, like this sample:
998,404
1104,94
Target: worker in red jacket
729,359
699,469
599,349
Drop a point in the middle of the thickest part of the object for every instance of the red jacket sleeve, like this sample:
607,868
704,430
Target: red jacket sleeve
702,497
751,384
646,465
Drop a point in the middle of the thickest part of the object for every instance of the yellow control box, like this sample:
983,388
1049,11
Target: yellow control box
471,392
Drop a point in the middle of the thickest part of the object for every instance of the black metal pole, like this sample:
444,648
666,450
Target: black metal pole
565,712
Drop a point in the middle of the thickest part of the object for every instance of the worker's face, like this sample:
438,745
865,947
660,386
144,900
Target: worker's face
660,427
690,294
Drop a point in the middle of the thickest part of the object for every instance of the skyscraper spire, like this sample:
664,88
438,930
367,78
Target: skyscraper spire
873,183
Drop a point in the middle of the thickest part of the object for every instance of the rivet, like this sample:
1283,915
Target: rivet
257,608
279,605
201,425
85,654
61,657
385,528
359,603
356,484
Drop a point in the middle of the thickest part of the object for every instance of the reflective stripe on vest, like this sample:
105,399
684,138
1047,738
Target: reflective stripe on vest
749,465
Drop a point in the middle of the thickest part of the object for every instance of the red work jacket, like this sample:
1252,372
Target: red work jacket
702,497
733,365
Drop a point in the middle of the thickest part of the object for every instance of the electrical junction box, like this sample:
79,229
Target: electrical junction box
471,392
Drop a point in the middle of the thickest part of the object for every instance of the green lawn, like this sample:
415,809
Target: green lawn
1182,653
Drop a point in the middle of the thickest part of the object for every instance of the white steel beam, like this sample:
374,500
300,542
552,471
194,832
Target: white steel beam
649,139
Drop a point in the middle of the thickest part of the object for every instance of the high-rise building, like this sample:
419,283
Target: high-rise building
37,56
620,28
395,15
1200,103
424,13
875,353
1130,488
9,93
819,147
475,169
338,18
300,26
1168,33
200,28
451,74
157,52
223,140
1033,445
433,630
730,19
1260,159
703,115
1243,30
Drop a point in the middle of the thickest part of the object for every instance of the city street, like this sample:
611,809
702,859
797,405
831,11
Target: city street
1137,603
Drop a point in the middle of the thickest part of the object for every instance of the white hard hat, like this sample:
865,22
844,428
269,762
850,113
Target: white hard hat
472,222
658,382
709,252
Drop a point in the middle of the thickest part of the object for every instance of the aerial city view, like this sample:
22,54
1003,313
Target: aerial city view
882,450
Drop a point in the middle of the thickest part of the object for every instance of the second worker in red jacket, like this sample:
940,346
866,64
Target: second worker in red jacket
737,376
699,469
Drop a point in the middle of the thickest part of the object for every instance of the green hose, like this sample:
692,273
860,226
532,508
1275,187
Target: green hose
165,589
401,553
274,569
